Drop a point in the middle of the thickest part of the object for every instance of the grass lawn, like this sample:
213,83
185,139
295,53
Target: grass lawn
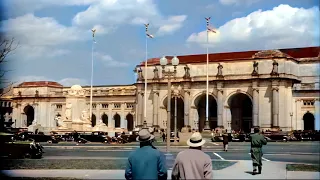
303,167
84,164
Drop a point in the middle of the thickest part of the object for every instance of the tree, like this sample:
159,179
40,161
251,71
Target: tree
7,46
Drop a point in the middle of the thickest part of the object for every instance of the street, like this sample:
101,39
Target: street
298,152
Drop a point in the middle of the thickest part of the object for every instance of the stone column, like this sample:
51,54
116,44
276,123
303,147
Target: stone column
36,112
186,107
98,116
155,121
255,107
110,116
220,107
123,116
275,106
140,108
317,114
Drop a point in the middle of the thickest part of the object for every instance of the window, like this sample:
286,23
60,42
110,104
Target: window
308,102
130,105
59,106
9,104
94,106
105,106
117,105
5,104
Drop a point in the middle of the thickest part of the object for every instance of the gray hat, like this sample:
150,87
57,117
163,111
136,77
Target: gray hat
144,135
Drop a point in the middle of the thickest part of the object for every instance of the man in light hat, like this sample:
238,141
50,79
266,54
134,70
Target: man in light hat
193,163
146,162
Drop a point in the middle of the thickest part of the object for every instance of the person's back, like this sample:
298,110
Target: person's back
194,164
257,140
146,162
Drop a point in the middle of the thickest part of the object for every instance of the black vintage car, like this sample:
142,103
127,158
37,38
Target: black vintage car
30,135
11,148
95,137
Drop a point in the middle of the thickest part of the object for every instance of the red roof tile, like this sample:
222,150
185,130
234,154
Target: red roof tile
232,56
40,84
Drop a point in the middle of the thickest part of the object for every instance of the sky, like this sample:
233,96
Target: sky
55,40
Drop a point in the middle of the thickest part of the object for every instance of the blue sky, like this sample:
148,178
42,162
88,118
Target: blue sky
55,39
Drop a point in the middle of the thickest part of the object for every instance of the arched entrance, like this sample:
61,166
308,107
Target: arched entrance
200,103
308,120
104,118
180,112
94,120
29,112
241,112
129,118
116,118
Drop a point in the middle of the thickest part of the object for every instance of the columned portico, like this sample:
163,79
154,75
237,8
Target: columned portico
220,107
317,114
186,88
155,121
275,105
255,94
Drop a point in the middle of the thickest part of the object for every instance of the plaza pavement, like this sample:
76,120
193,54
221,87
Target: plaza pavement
240,170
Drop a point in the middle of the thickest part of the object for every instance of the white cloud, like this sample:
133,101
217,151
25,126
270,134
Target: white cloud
238,2
72,81
114,13
64,82
281,27
108,61
173,24
40,37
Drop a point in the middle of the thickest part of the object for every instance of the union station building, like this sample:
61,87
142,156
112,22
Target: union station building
269,89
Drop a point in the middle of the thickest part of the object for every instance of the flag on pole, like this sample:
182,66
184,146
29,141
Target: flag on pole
211,30
93,33
150,35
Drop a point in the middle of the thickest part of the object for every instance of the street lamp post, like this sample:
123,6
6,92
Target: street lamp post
206,126
169,74
291,114
176,93
93,42
146,73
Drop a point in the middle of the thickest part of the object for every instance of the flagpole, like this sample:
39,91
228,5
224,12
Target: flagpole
90,111
146,76
206,127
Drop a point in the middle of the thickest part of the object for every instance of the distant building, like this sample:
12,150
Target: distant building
268,89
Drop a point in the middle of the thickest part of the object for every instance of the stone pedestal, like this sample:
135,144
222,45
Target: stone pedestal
102,128
184,136
32,128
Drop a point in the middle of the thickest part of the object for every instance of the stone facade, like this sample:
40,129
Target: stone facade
267,89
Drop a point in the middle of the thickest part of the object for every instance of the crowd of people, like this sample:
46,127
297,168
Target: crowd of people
147,162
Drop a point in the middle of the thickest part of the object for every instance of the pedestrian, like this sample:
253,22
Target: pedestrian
163,136
193,163
257,141
225,141
146,162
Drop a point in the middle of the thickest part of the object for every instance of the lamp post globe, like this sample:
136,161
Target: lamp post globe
163,61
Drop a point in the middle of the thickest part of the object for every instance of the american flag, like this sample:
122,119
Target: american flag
149,35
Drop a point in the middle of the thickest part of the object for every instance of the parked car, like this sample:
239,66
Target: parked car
277,136
95,137
19,149
37,137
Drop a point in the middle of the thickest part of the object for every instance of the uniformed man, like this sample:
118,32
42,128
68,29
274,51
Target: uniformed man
257,141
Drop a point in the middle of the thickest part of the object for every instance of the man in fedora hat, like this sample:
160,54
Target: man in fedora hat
193,163
257,141
146,162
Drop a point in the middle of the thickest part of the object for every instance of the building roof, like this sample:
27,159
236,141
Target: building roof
296,53
40,84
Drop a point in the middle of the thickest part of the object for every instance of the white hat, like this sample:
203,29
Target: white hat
144,135
196,140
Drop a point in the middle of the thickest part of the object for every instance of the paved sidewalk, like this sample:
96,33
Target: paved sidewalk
241,170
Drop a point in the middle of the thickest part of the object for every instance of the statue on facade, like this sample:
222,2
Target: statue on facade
34,122
100,123
155,73
68,111
220,67
274,71
255,68
140,76
85,116
7,117
186,72
59,121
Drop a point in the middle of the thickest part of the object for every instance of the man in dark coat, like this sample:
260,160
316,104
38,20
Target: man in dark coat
257,141
225,141
146,162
